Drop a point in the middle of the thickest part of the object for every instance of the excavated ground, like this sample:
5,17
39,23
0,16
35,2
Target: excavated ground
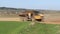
48,19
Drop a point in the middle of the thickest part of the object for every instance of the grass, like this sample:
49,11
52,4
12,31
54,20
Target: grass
13,27
42,29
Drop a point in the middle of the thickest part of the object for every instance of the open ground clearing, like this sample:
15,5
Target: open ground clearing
9,19
48,18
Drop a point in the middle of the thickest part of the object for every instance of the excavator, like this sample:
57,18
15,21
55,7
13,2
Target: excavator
32,15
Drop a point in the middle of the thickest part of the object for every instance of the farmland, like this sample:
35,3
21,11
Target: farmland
14,27
10,22
11,27
42,29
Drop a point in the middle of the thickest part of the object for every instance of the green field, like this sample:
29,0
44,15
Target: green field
11,27
42,29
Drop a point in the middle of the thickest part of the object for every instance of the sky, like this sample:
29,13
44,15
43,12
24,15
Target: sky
31,4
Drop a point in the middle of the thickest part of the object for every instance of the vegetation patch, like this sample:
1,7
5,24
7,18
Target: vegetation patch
14,27
40,28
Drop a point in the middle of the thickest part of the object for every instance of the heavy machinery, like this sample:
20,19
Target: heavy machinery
31,15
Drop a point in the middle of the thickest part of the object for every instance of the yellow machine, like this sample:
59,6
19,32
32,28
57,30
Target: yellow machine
30,15
38,17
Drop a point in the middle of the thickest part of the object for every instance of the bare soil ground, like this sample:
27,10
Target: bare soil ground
52,18
9,19
48,18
